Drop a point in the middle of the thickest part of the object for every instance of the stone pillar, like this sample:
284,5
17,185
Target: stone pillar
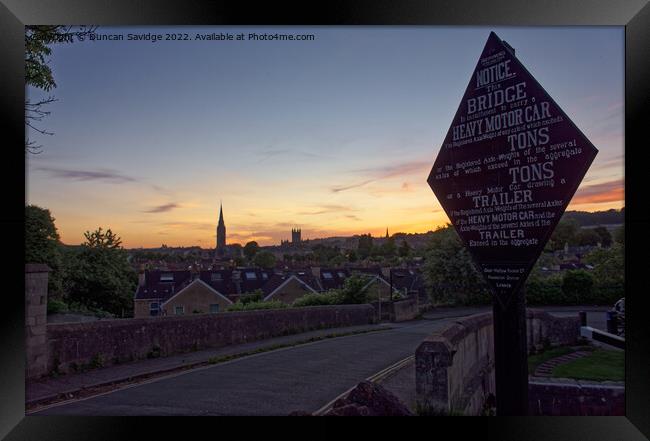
433,358
36,319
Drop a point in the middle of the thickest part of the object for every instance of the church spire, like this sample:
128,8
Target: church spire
387,236
221,232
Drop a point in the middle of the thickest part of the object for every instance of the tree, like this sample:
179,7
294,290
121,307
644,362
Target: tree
605,236
253,296
38,73
353,291
565,232
365,246
337,260
587,236
404,249
388,248
608,272
449,273
324,254
42,245
100,275
250,249
578,285
41,236
236,249
264,259
609,265
620,235
352,256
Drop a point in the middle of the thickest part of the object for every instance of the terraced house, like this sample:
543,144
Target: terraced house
165,293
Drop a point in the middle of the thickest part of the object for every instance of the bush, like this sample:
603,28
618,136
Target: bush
56,306
273,304
550,291
577,286
546,291
255,296
353,291
318,299
79,308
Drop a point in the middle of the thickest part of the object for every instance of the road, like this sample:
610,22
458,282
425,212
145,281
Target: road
304,377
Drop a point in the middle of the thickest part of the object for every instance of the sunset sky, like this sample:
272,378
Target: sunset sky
335,136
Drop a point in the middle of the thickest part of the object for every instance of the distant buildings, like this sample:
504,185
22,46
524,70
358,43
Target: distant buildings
165,293
168,293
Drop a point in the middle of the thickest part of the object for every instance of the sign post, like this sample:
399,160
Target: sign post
508,167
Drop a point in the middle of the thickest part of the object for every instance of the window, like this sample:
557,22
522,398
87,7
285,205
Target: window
154,308
214,308
179,310
265,276
215,277
327,275
166,277
341,274
251,275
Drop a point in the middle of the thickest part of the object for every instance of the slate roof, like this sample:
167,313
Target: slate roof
278,279
333,278
159,284
162,284
409,279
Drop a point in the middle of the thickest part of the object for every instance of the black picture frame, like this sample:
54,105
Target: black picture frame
634,15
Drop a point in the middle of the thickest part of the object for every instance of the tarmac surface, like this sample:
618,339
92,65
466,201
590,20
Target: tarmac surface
303,377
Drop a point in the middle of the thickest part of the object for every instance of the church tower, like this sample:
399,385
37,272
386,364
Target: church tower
295,236
221,234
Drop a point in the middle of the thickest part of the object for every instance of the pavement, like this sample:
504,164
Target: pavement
301,377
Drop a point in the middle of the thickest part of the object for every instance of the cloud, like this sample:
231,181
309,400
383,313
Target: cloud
295,154
337,189
615,161
86,175
323,209
105,175
163,208
385,172
611,191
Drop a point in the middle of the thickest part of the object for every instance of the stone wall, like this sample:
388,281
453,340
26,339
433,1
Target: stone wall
455,366
398,310
544,330
36,319
105,342
552,397
406,309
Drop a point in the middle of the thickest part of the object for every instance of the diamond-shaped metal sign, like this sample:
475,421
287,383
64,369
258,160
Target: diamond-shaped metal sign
509,165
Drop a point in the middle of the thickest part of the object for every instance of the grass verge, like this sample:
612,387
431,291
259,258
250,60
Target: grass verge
535,360
601,365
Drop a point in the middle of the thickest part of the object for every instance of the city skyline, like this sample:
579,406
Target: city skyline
335,136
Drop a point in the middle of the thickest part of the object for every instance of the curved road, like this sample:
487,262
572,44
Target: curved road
304,377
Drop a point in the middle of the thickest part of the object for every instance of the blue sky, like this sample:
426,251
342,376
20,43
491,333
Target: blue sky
335,135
